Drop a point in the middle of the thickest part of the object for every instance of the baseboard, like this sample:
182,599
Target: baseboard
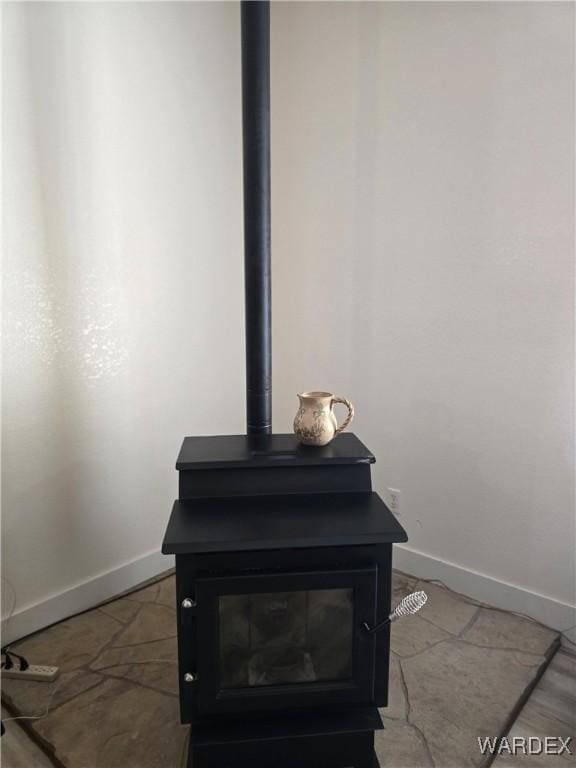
83,596
546,610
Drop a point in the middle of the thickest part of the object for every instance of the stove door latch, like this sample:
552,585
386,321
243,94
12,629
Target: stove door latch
373,630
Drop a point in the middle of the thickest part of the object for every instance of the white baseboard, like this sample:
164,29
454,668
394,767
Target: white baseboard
500,594
83,596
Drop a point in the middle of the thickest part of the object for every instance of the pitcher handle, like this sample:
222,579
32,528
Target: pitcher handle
348,418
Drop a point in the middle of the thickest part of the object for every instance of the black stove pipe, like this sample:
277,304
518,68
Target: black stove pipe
255,16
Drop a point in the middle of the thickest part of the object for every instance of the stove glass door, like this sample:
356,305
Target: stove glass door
285,639
275,638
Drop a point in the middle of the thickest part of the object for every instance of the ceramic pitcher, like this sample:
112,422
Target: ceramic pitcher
315,422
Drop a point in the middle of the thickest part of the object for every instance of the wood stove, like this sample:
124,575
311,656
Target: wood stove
283,552
283,558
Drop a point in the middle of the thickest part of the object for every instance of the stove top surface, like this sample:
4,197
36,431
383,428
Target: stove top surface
226,451
280,522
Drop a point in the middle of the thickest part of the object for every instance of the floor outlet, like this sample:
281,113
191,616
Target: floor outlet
37,672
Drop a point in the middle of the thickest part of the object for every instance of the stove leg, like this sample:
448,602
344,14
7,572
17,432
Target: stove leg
370,762
335,750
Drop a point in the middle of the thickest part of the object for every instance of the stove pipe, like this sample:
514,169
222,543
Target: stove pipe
256,150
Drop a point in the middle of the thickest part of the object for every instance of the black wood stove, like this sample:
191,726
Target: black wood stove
283,552
283,559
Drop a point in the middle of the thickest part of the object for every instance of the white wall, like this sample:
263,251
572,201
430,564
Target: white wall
423,263
422,256
123,271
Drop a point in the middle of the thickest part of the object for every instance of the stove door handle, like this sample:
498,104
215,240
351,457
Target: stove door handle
373,630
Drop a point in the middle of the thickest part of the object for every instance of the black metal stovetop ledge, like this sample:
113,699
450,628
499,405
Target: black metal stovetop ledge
228,451
280,522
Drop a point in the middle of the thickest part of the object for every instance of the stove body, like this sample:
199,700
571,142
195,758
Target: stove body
283,558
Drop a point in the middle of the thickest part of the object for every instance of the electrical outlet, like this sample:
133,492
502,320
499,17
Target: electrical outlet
39,672
394,497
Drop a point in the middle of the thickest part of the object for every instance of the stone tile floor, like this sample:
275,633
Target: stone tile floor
549,712
458,671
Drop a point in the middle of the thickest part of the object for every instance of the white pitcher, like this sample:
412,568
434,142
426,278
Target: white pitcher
315,422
